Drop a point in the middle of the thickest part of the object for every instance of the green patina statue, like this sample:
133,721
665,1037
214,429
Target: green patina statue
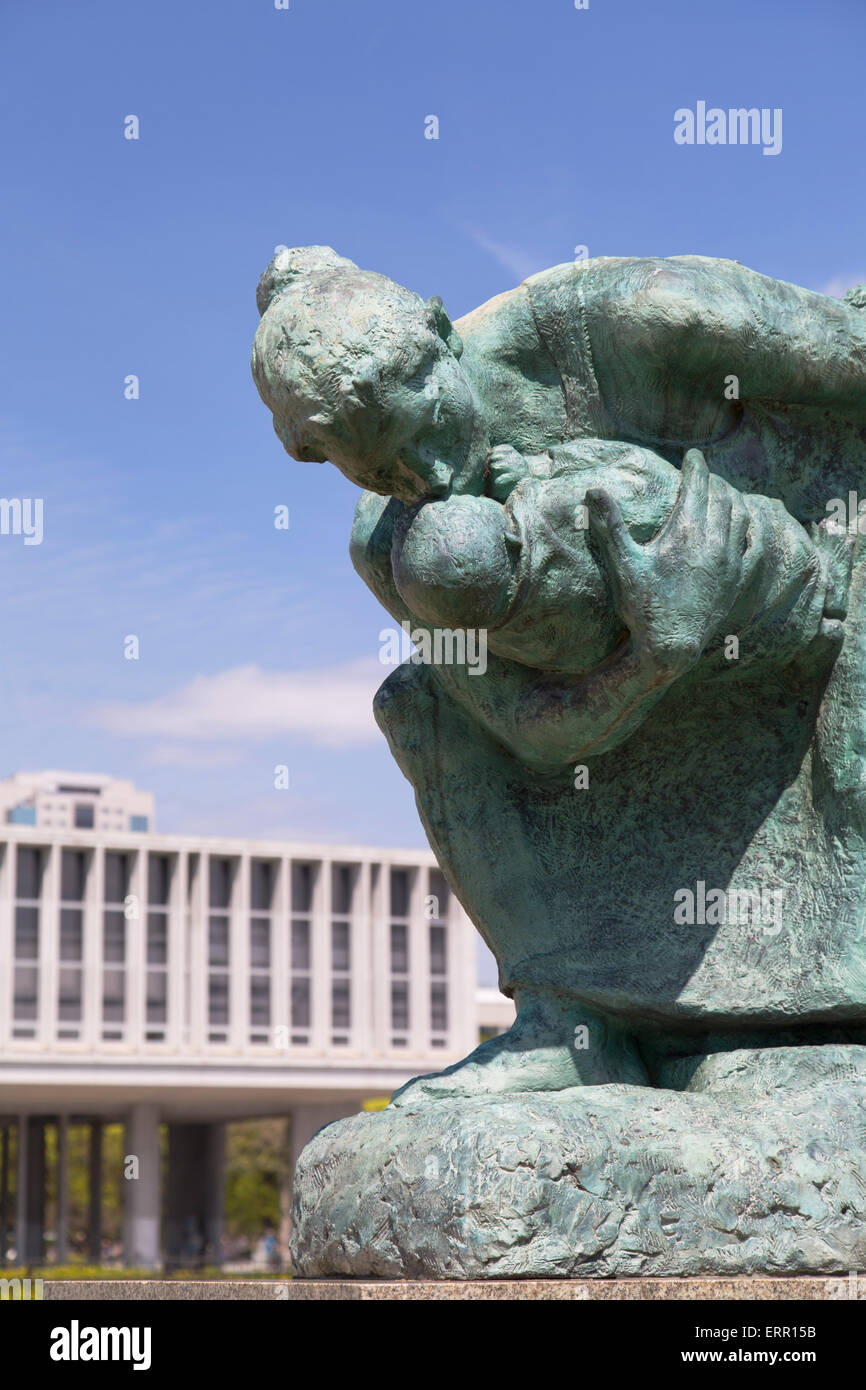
627,473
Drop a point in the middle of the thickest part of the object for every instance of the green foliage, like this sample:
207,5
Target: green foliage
257,1171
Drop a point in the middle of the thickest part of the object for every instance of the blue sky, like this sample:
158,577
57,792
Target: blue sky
260,127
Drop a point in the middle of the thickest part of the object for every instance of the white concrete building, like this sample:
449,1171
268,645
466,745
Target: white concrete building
158,979
74,800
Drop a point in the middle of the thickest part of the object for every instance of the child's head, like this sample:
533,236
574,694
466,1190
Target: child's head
362,373
454,561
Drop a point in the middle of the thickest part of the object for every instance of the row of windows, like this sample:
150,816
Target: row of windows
114,976
31,863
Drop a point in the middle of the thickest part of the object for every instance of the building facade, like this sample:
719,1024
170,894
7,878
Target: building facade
166,979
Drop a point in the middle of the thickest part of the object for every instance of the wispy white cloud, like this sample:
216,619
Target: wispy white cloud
330,706
516,261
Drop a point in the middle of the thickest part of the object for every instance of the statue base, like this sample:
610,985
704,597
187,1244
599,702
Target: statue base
615,1181
802,1289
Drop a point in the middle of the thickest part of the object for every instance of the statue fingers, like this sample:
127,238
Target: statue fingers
688,518
621,553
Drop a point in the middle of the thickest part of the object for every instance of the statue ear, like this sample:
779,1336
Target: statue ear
443,325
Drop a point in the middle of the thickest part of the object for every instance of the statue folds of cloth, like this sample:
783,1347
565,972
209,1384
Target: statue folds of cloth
628,475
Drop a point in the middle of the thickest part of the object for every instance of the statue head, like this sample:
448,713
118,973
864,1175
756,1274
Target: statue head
455,560
364,374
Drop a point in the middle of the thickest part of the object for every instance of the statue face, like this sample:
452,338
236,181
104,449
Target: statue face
360,373
414,440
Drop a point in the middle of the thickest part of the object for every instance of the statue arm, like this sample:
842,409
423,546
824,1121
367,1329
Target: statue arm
674,594
670,602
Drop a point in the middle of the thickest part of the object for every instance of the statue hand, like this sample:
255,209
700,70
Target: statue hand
505,469
674,592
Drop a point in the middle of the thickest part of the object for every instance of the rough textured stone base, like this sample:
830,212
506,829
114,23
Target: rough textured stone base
606,1181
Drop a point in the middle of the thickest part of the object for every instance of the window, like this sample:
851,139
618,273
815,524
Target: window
438,905
117,874
118,870
158,879
156,946
69,981
339,947
262,880
439,1007
341,985
157,938
220,880
263,876
342,889
400,892
400,1007
189,891
218,953
29,869
84,815
400,886
260,979
438,951
300,946
303,888
301,1014
26,933
73,872
260,943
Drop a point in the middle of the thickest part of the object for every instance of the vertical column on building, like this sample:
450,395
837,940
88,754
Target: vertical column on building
239,958
135,913
7,972
281,946
49,949
92,984
419,965
197,950
321,957
142,1188
380,959
177,962
362,983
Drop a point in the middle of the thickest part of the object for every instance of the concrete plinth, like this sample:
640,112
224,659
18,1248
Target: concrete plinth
446,1290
